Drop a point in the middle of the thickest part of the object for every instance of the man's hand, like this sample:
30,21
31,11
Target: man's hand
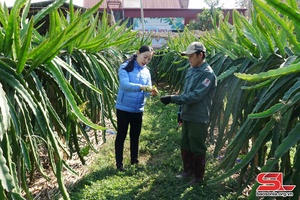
166,99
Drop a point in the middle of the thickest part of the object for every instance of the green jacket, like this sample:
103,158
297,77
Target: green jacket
197,95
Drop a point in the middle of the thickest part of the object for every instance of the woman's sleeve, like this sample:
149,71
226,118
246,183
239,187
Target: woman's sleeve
149,83
125,84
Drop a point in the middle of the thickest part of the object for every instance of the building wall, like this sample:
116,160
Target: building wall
187,14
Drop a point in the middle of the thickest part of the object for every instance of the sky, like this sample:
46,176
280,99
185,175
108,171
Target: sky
201,4
193,4
11,2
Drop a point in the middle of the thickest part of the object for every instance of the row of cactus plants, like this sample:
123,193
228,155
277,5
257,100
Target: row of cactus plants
49,81
256,106
53,86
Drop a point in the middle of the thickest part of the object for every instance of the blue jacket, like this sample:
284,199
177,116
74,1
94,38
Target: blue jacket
130,98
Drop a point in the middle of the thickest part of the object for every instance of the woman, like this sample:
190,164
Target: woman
135,86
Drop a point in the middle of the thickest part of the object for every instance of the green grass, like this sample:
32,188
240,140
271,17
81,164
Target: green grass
154,177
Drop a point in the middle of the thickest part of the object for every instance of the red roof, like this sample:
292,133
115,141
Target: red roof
134,4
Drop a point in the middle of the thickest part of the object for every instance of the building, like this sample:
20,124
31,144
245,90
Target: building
157,15
153,15
124,9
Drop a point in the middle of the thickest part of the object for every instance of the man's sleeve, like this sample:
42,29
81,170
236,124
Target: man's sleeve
201,90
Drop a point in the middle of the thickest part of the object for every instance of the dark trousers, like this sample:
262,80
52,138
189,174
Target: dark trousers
193,137
124,119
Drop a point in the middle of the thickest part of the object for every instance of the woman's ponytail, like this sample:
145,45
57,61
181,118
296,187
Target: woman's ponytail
129,67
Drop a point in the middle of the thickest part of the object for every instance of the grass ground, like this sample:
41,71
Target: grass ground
154,177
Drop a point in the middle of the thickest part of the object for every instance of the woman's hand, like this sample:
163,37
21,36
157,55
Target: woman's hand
154,91
142,87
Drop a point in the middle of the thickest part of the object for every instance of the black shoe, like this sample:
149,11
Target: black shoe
134,162
121,169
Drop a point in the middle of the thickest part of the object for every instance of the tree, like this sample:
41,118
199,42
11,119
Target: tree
241,3
212,3
205,19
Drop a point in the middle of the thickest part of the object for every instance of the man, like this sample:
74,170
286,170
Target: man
195,105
